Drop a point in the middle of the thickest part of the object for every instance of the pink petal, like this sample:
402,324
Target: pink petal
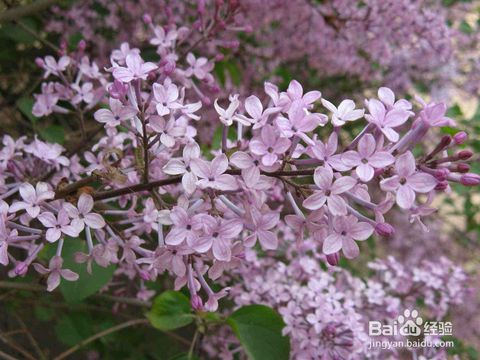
85,204
361,231
366,146
268,240
323,177
405,197
405,164
254,107
350,248
189,182
241,160
391,134
381,159
47,219
343,184
221,250
390,184
386,95
365,172
69,275
219,165
95,221
332,244
422,182
200,168
226,182
174,167
257,147
53,280
27,192
336,205
396,117
315,201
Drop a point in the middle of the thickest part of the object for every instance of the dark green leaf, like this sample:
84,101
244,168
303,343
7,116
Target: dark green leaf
53,133
259,329
170,310
87,284
25,105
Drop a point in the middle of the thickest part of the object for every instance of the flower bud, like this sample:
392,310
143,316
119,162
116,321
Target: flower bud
441,174
441,186
470,179
82,44
384,229
144,275
21,268
39,62
465,154
147,19
463,168
333,259
196,302
460,137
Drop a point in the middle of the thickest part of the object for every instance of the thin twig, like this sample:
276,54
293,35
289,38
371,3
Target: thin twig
30,337
21,11
6,356
11,343
100,335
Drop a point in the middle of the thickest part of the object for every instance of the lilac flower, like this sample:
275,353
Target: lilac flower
186,227
136,69
294,93
227,116
326,153
211,174
258,116
55,272
219,238
386,120
82,214
182,167
250,167
407,181
387,97
116,113
269,146
329,191
44,105
58,225
99,254
346,229
32,198
167,98
434,114
121,53
299,122
367,159
200,67
262,224
169,130
345,112
84,93
162,39
51,66
5,237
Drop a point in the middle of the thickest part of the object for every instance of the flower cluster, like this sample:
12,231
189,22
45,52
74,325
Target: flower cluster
327,312
150,198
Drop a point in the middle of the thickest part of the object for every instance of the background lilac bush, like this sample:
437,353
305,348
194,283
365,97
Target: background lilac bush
237,179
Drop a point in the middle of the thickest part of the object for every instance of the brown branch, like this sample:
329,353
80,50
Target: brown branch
100,335
70,188
21,11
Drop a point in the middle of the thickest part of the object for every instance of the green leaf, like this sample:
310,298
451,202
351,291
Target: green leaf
170,310
87,284
259,329
54,134
25,105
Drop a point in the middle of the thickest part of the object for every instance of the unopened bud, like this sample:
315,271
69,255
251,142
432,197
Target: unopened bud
384,229
196,302
465,154
441,174
147,19
82,44
445,141
441,186
21,268
333,259
463,168
144,275
39,62
460,137
470,179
